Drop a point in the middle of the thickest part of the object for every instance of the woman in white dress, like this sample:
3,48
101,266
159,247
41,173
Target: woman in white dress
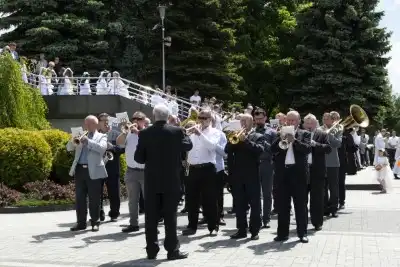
66,88
116,86
24,69
45,86
384,174
379,143
84,88
102,83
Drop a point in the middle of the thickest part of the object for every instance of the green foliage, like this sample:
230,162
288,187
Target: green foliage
72,30
62,159
20,105
340,59
123,167
24,157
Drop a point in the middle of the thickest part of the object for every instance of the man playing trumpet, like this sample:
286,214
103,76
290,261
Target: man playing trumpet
134,176
89,170
243,168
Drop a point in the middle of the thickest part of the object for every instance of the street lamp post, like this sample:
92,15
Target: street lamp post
162,9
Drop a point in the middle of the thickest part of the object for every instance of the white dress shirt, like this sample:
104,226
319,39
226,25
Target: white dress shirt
195,98
220,149
310,155
130,149
289,160
204,147
393,141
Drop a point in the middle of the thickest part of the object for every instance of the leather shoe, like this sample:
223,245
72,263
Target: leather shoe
177,255
130,229
254,237
222,221
78,227
102,216
334,215
239,234
304,239
266,226
281,238
95,228
318,228
188,232
202,221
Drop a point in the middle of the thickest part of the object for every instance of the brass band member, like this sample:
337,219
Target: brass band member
316,159
333,164
201,183
244,175
291,172
89,170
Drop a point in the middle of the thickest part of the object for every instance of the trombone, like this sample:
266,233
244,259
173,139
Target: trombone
77,140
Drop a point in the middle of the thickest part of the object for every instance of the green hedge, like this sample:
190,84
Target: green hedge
25,156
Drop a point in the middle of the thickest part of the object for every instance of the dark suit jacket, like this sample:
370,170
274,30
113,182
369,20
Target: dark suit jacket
321,148
301,149
244,157
160,148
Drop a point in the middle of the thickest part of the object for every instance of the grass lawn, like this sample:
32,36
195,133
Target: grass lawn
40,203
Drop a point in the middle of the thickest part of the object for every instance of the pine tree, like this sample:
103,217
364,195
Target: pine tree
73,30
340,58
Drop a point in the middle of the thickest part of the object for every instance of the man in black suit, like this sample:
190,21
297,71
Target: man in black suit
160,148
316,159
245,157
292,172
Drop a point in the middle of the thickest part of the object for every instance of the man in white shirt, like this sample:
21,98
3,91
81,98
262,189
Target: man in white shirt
195,99
202,182
134,176
392,145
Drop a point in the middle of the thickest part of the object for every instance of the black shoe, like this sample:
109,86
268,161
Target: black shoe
95,228
184,210
274,212
281,238
326,213
334,215
318,228
114,219
303,239
239,234
254,237
152,255
78,227
341,207
202,221
130,229
188,232
160,220
141,211
177,255
102,216
266,226
222,221
231,212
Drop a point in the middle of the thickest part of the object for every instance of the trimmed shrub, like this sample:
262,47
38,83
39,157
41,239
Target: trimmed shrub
24,157
20,105
123,167
48,190
8,197
62,159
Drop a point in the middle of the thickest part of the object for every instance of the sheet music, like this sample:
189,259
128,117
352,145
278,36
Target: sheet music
233,126
76,131
122,116
274,123
287,130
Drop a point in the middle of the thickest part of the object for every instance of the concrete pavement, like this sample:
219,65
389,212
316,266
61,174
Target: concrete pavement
367,233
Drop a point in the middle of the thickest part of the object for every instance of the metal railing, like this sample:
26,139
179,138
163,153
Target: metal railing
107,86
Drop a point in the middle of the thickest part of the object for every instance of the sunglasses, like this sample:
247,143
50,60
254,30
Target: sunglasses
203,118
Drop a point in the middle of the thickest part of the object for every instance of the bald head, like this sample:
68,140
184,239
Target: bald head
91,123
293,118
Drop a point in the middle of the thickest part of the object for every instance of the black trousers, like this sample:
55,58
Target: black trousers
391,153
165,205
292,183
247,191
202,189
112,183
275,195
332,189
86,187
342,185
221,179
317,193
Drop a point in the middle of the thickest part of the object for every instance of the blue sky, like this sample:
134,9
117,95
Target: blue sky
392,22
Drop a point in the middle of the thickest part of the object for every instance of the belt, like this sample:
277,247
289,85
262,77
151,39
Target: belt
202,165
83,165
136,169
287,166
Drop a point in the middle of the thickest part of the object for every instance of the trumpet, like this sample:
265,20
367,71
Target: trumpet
235,137
283,144
77,140
108,156
125,128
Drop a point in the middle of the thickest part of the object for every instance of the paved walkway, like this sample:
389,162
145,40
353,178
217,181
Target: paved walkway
367,233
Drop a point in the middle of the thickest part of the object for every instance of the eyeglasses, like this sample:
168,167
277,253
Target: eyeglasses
203,118
257,113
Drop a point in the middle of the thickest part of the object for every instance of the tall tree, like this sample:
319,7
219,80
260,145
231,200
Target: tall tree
340,58
72,30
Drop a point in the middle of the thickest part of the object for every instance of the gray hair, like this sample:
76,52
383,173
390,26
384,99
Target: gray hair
160,112
310,117
335,115
246,117
92,118
294,113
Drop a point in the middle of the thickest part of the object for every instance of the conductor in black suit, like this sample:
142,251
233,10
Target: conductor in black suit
316,159
244,158
160,148
292,172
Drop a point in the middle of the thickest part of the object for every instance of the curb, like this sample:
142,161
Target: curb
367,187
49,208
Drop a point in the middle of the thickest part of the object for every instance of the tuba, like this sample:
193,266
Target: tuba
192,117
358,117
